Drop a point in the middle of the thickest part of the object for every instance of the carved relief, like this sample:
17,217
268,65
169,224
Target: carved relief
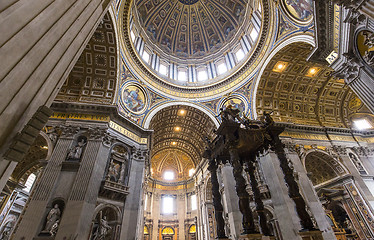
357,162
365,45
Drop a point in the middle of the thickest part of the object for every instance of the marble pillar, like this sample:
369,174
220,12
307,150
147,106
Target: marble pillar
284,208
311,198
133,208
231,200
40,42
33,219
80,207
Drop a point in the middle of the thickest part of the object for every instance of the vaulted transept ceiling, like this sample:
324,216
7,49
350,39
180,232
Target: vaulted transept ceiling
179,139
303,92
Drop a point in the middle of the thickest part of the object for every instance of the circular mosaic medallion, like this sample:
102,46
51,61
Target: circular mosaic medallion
236,102
188,2
365,46
300,9
133,98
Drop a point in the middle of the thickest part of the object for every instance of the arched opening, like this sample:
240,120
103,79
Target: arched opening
105,225
167,233
322,168
178,140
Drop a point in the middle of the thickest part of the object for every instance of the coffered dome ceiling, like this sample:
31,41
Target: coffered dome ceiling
190,28
194,48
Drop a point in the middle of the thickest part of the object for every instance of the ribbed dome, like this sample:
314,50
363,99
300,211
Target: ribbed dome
190,28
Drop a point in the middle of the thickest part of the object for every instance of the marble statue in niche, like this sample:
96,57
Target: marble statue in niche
102,229
117,165
75,153
357,163
53,217
113,171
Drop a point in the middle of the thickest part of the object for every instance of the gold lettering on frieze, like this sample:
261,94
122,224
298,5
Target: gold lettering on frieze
80,116
127,133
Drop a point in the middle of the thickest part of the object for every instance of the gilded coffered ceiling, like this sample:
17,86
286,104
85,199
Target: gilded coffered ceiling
93,78
178,139
304,92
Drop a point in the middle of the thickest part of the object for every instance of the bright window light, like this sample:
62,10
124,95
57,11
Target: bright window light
169,175
145,56
30,181
362,124
132,34
202,75
193,202
221,68
167,204
145,202
254,34
239,54
163,69
182,76
191,172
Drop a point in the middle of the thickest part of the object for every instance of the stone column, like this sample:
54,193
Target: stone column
200,206
80,207
40,42
284,209
311,198
132,211
218,208
34,214
232,207
257,196
244,201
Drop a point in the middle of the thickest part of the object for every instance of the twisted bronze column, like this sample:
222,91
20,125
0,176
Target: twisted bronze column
218,208
244,203
250,169
293,188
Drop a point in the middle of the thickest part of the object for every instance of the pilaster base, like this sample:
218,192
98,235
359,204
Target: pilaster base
268,238
255,236
311,235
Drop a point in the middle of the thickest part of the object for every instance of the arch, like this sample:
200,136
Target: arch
327,169
102,206
167,231
192,229
153,112
31,163
294,39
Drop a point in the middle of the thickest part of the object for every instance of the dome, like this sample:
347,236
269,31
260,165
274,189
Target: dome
191,43
190,29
